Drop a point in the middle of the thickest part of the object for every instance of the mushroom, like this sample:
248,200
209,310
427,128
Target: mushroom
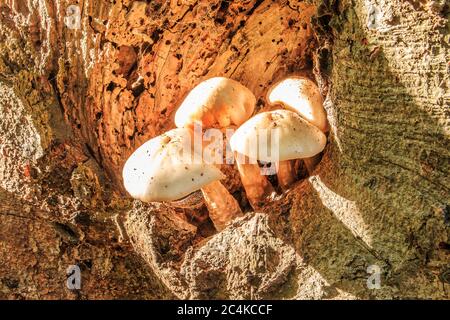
216,103
294,138
300,95
162,169
257,187
220,103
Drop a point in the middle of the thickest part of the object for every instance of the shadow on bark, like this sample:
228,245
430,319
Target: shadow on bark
381,195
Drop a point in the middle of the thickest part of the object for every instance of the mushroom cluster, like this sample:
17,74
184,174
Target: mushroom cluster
300,127
170,167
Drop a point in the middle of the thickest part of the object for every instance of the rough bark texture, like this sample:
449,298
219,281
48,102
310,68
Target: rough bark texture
75,102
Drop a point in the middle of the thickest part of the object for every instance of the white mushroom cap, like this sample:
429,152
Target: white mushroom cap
300,95
216,102
162,168
297,138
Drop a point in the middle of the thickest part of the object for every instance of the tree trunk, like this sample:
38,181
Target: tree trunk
77,99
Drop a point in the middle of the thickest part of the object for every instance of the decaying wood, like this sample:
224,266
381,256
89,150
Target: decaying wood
76,101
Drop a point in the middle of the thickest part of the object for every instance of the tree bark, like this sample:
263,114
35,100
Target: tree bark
77,100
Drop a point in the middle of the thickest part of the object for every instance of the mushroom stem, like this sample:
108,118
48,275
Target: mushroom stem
193,201
286,174
222,207
311,163
257,188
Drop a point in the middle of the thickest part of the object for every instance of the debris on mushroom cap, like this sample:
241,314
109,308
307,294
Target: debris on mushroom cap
216,102
300,95
162,168
297,138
